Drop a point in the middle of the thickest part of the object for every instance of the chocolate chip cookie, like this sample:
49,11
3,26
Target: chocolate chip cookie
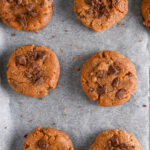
116,140
145,7
33,70
109,78
100,14
47,139
30,15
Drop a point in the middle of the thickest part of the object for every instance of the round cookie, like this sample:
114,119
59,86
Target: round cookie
145,7
33,70
47,139
100,14
30,15
109,78
116,140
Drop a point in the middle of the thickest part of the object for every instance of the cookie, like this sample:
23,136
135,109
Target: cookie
145,7
47,139
30,15
109,78
116,140
33,70
100,14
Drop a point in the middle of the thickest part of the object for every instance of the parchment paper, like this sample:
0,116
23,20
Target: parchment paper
68,106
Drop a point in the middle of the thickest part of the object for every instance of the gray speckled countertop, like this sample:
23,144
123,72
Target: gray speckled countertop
67,105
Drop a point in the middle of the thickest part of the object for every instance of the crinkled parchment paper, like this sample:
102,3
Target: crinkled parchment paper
68,106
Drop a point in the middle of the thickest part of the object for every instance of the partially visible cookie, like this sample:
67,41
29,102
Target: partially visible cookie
100,14
145,7
47,139
109,78
30,15
116,140
33,70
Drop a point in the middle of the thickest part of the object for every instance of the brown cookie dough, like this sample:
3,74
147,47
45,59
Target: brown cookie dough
30,15
33,70
100,14
116,140
47,139
145,7
109,78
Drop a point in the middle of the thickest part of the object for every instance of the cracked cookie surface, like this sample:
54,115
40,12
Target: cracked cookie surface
33,70
47,139
116,140
100,14
30,15
145,7
109,78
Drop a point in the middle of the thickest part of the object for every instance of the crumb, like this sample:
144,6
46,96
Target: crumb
21,116
98,49
5,127
65,109
70,42
13,34
144,105
75,57
30,121
61,50
41,98
48,92
121,24
37,32
19,102
66,30
53,36
66,115
25,136
78,47
78,69
141,40
54,124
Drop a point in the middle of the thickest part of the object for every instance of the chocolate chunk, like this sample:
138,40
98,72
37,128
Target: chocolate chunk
25,136
118,68
114,141
9,1
42,144
89,11
33,55
120,93
22,20
101,74
111,70
115,82
129,74
123,145
29,7
34,65
33,13
39,81
28,74
21,60
101,90
19,2
37,76
98,8
88,1
42,55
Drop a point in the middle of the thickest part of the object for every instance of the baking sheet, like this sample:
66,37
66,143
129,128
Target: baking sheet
68,106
